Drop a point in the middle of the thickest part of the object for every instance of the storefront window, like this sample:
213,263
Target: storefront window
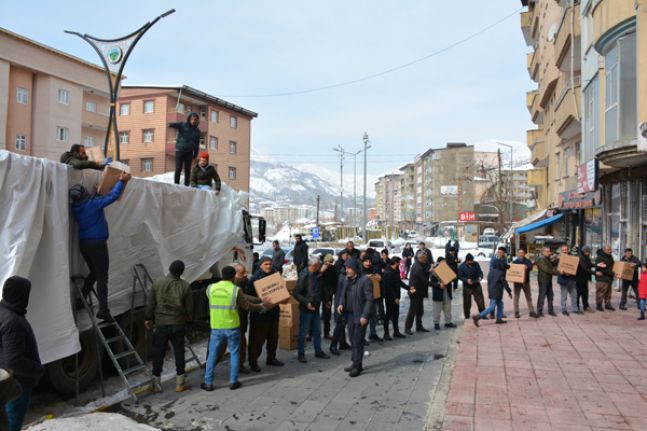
593,228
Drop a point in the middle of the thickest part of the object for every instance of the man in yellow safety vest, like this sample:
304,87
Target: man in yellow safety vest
225,298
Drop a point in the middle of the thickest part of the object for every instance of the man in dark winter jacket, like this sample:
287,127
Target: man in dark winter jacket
422,248
300,253
603,278
350,250
18,348
377,309
391,285
93,238
204,176
525,287
470,274
452,260
418,291
187,145
496,284
633,283
263,327
441,297
309,293
356,297
78,159
583,277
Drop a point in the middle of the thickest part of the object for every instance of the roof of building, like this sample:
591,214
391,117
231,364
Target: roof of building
50,49
197,93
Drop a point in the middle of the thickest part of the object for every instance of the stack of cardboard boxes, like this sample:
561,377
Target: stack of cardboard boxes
289,324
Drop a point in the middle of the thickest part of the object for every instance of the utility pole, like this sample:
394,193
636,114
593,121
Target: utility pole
318,199
340,149
365,215
510,196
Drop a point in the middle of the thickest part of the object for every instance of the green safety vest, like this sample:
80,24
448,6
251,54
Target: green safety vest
222,305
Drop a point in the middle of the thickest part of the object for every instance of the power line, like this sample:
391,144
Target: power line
384,72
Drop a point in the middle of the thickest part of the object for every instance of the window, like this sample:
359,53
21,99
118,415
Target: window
88,141
591,134
124,109
567,161
149,106
22,95
203,115
61,133
233,122
90,106
147,165
232,147
213,143
214,116
202,144
124,137
558,167
63,96
620,104
232,173
148,135
21,142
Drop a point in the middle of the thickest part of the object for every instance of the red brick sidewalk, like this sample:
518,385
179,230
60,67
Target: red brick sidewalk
563,373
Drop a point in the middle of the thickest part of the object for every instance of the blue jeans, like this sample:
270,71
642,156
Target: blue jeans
498,303
218,337
17,409
309,320
204,187
642,305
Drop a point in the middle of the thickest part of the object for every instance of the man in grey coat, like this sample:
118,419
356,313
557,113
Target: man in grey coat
356,300
278,257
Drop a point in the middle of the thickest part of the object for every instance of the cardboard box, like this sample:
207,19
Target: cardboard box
288,337
377,290
568,264
623,270
516,273
444,273
272,288
110,177
289,315
95,154
290,285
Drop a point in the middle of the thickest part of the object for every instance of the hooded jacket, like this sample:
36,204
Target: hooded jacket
188,136
90,217
18,348
607,272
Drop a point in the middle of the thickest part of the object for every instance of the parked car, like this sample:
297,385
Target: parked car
322,251
289,257
379,245
488,241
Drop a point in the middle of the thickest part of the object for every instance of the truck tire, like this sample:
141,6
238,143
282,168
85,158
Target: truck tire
62,373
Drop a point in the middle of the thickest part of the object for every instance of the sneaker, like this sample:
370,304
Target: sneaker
235,385
500,321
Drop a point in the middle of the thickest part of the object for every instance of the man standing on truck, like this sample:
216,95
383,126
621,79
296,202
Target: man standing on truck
18,348
78,159
93,238
187,144
170,306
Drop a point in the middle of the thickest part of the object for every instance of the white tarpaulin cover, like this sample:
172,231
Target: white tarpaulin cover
153,224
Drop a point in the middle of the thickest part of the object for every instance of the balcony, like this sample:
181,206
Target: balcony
531,64
526,27
94,120
567,38
176,117
568,110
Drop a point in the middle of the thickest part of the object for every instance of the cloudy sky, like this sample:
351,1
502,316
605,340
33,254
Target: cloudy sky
281,50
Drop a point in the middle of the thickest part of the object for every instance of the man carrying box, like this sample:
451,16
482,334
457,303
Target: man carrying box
603,278
634,262
567,285
225,299
78,159
309,294
93,237
471,274
525,286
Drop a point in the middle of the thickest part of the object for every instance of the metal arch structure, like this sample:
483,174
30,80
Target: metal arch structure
114,53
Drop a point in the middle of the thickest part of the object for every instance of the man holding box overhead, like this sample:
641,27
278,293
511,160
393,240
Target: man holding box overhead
93,237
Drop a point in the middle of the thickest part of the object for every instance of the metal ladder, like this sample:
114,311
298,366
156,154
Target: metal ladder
143,280
129,351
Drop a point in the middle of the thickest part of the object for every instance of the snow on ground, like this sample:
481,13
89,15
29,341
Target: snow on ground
92,421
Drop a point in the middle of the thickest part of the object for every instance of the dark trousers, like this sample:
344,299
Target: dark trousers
338,335
244,321
545,292
392,315
582,287
378,313
164,334
326,315
416,310
454,283
469,291
356,333
95,254
17,409
626,284
260,332
183,159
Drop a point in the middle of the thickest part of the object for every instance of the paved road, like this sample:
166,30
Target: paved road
394,392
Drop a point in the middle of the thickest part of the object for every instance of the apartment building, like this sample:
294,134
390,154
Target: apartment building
147,143
387,199
49,99
407,196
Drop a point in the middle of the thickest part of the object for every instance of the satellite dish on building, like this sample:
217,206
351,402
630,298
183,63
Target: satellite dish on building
552,31
642,136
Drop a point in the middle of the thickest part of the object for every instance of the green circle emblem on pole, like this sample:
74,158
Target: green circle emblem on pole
114,54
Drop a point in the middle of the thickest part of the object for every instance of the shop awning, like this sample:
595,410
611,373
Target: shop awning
521,223
540,223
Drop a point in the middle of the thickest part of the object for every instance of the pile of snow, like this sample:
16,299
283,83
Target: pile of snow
92,421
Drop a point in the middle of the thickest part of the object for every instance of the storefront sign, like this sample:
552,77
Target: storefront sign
467,216
573,200
587,174
449,190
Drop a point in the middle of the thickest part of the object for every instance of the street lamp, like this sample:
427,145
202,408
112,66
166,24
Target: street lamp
364,216
340,150
511,196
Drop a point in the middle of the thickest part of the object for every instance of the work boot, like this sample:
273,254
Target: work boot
500,321
533,315
437,326
599,307
302,358
157,385
476,318
181,384
609,307
344,346
235,385
642,316
334,351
